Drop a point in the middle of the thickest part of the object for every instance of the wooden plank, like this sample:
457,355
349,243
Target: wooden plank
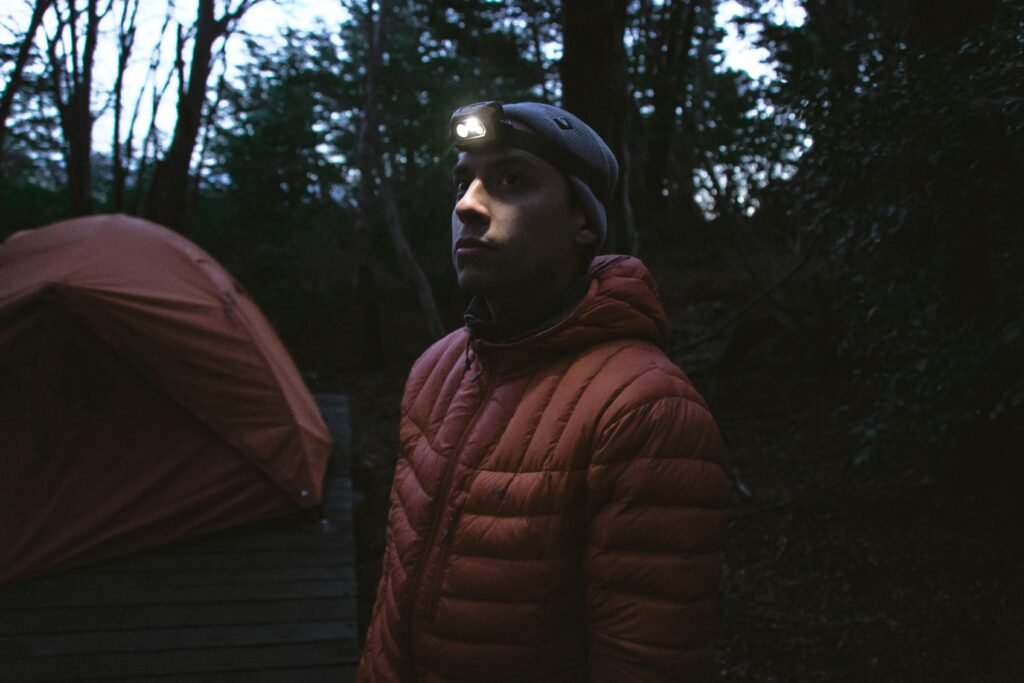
338,487
147,640
64,619
309,525
313,536
224,561
270,543
134,665
69,595
175,576
338,507
342,673
334,410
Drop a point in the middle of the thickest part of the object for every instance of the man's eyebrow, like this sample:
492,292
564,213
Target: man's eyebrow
515,159
460,168
512,157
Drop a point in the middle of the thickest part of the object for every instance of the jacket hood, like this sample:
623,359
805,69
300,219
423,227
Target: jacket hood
621,302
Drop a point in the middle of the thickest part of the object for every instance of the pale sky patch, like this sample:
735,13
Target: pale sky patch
741,52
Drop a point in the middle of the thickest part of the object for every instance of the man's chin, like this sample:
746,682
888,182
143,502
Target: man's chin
473,282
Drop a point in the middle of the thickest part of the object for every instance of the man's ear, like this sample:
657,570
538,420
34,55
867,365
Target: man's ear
586,236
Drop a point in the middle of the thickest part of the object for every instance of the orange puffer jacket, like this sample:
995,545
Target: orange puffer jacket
558,509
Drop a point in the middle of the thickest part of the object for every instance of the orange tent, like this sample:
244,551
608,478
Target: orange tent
143,398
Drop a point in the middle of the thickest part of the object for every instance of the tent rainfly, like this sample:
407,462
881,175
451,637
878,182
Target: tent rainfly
144,398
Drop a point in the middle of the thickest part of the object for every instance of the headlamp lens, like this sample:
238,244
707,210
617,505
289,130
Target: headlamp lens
470,128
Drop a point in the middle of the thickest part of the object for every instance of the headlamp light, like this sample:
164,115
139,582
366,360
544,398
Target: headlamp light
482,125
470,128
476,125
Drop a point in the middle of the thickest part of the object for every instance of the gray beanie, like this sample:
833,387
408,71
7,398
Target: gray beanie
569,133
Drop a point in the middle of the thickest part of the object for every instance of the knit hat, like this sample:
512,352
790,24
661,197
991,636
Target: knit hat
593,172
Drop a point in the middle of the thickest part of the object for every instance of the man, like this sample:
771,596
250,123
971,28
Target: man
558,508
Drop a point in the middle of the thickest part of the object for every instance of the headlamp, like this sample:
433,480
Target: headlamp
482,125
477,125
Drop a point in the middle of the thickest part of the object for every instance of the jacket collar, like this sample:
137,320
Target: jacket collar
508,331
620,302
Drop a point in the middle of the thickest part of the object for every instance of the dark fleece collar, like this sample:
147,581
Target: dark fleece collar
509,330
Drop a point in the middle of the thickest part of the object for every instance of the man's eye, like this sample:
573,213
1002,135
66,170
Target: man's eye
511,179
460,187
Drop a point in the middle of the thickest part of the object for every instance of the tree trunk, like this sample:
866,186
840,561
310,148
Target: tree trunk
167,200
167,195
192,199
407,257
670,49
14,81
377,200
594,88
126,39
75,111
372,348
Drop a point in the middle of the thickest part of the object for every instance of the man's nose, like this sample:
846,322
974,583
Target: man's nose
472,205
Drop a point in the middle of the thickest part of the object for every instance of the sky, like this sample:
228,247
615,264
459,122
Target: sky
740,52
267,18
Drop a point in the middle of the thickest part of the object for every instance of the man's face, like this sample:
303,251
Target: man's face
515,228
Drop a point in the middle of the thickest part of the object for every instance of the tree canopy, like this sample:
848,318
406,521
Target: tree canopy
865,193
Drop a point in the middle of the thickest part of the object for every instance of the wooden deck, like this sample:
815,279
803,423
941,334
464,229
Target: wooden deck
270,602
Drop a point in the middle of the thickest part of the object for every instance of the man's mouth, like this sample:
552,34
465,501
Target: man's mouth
471,245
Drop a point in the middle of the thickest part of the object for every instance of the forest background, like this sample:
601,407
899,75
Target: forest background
838,247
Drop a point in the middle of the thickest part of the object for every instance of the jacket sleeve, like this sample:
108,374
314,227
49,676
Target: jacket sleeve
652,559
387,650
386,655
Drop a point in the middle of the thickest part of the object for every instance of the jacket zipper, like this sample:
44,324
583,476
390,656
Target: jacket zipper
436,526
449,529
446,539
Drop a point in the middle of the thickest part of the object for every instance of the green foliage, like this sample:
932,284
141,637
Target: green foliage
912,184
275,146
28,205
33,147
32,175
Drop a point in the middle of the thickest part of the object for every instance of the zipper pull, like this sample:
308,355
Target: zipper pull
474,344
446,533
